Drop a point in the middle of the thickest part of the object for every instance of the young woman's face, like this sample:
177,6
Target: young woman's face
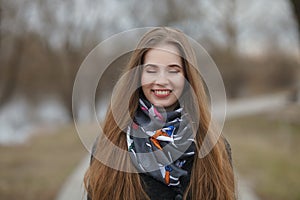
163,76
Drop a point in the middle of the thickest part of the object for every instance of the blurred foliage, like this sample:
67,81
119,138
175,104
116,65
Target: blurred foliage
43,43
246,75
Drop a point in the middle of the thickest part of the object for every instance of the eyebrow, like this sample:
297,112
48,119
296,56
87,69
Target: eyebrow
175,65
150,65
155,65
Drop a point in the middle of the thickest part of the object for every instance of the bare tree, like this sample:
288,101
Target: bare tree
10,82
296,8
229,26
64,62
295,93
223,18
14,58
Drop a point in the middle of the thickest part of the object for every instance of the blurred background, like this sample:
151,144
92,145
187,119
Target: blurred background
255,45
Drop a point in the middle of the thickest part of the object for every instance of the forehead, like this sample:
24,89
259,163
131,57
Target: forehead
164,54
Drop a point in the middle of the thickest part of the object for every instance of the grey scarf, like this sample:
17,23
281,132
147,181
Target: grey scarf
160,142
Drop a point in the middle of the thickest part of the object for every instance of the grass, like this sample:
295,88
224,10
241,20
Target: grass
38,169
266,152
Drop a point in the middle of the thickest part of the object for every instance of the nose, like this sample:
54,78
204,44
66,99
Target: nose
162,78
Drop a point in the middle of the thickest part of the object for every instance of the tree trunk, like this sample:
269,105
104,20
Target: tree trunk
10,82
296,9
295,93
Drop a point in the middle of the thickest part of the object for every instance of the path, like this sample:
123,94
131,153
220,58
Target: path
73,187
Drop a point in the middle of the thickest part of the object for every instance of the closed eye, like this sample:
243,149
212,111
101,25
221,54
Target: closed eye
174,71
175,68
150,68
151,71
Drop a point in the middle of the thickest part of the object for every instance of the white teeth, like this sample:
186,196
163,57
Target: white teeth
162,92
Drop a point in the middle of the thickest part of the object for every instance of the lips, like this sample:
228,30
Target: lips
161,93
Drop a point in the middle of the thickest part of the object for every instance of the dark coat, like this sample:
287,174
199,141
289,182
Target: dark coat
157,190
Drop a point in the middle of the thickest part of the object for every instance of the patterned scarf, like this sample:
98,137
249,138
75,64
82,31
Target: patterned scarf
160,142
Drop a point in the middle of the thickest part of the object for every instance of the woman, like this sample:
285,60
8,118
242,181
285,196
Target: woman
162,128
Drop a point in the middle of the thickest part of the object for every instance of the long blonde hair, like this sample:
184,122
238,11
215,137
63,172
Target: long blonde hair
211,177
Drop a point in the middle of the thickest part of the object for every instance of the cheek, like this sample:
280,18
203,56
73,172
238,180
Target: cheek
145,80
179,81
180,84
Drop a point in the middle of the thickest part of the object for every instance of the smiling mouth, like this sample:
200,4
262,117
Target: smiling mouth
162,93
